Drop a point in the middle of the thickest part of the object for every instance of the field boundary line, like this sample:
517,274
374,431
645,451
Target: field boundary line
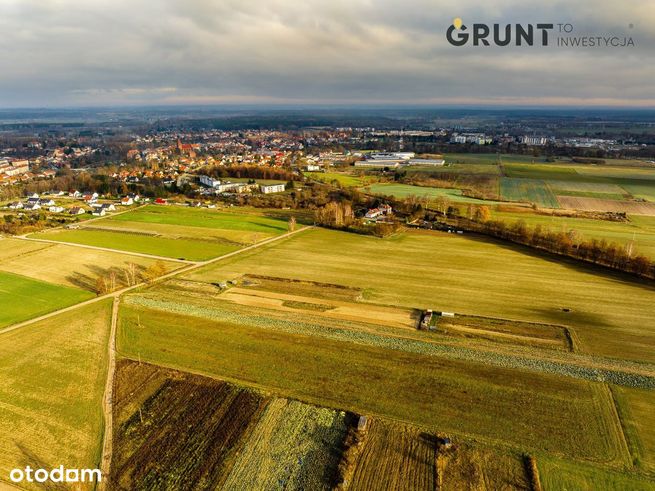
191,267
624,453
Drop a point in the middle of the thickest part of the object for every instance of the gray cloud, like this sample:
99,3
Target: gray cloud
92,52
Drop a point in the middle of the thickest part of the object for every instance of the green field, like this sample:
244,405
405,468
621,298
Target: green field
174,231
528,191
23,298
637,410
53,376
198,217
190,249
345,180
405,190
558,474
468,276
542,171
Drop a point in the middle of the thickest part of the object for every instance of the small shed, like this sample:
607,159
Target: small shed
362,423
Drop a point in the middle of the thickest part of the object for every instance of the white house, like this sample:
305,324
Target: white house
56,209
271,188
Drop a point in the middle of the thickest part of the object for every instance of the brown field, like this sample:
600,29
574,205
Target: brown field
67,265
386,316
394,456
509,331
301,287
185,433
599,204
467,467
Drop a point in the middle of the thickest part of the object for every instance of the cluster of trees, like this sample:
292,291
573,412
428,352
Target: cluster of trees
130,275
252,172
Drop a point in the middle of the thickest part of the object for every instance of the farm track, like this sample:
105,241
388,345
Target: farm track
108,399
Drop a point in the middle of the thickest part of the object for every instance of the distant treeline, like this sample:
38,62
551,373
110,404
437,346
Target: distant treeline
252,172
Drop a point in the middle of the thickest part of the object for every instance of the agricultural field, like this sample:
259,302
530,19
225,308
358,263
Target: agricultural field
23,298
53,376
68,265
465,466
206,433
599,204
405,190
292,446
637,410
190,426
254,348
503,330
528,191
174,231
476,277
344,179
556,474
176,248
387,447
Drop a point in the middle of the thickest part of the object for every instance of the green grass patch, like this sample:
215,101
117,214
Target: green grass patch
556,474
528,191
23,298
191,249
345,180
405,190
198,217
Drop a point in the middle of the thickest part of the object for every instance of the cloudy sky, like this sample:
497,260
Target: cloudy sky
132,52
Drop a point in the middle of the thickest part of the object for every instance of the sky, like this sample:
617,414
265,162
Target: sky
59,53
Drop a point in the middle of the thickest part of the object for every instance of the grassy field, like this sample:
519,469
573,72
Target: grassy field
558,474
637,410
191,249
425,390
345,180
174,231
405,190
22,298
53,377
528,191
200,217
468,276
67,265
